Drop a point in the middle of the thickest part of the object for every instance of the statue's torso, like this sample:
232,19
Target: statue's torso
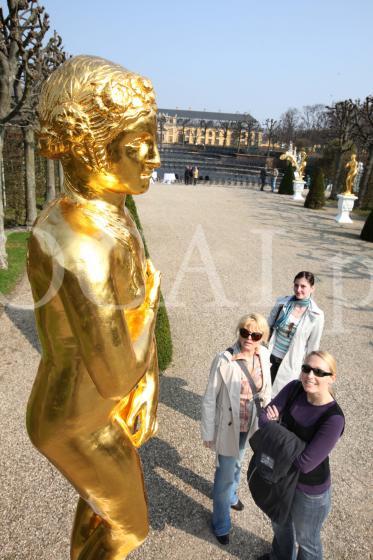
91,264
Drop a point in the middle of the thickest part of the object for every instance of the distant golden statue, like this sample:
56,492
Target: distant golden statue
96,296
353,165
302,163
299,163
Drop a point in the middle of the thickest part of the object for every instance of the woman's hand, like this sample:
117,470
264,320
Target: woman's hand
208,444
272,413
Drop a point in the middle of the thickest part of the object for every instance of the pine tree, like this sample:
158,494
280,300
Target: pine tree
367,231
316,195
286,185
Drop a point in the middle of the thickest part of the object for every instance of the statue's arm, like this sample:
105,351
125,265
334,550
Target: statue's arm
115,362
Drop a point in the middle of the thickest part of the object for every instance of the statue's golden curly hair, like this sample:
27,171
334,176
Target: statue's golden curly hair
85,104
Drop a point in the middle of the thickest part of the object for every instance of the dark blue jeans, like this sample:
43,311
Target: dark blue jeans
308,513
224,494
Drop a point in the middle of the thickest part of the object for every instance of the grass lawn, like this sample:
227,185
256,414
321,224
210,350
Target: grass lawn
16,250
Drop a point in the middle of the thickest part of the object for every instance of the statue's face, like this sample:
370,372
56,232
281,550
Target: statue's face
134,155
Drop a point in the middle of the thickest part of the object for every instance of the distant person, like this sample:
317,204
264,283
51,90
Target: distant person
186,176
195,174
263,176
274,179
190,175
296,323
239,378
154,177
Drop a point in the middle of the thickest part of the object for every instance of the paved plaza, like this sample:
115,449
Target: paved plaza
222,252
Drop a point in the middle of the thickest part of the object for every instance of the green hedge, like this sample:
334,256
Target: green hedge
286,185
316,195
16,247
162,327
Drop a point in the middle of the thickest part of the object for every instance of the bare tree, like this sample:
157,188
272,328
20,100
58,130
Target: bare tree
161,121
313,125
362,133
22,31
270,131
183,123
288,125
225,127
48,59
238,128
340,119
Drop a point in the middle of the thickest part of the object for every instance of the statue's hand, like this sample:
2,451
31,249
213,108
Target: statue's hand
141,420
153,283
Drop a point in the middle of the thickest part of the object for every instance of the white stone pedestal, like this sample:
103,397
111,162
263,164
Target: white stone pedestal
298,187
345,205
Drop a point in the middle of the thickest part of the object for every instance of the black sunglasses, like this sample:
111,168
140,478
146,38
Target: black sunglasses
316,371
255,336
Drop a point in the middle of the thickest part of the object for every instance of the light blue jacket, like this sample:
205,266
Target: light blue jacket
306,339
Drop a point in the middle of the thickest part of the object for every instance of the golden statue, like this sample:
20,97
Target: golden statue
95,396
299,163
353,164
302,163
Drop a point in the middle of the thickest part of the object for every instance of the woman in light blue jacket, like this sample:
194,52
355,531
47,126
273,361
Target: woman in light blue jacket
297,324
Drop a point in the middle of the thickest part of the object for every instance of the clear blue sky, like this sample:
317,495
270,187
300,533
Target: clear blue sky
229,55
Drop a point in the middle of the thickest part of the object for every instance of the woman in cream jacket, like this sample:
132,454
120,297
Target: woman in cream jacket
229,415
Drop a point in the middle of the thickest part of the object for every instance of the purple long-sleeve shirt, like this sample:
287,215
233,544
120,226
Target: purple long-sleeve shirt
307,414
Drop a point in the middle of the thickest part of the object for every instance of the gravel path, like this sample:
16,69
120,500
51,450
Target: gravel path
222,252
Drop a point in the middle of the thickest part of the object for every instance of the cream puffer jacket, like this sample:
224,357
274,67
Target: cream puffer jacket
221,402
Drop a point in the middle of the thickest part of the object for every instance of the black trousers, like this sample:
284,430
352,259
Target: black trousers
275,364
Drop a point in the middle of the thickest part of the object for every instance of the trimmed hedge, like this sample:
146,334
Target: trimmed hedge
316,195
367,231
286,185
162,326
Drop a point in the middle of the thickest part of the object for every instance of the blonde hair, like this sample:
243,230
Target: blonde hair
85,104
258,323
327,357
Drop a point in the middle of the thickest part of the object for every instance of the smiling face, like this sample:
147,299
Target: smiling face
133,155
248,344
302,288
317,386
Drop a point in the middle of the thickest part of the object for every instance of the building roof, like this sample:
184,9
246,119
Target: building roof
206,115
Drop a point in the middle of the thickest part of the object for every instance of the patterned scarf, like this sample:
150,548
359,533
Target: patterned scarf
288,308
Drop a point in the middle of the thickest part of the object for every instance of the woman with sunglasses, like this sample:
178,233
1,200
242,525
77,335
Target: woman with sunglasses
229,413
296,323
315,417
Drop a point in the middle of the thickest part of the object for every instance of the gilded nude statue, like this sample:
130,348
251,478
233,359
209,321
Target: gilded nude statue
95,396
353,167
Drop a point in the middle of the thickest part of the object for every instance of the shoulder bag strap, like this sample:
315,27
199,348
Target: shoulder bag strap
253,387
272,327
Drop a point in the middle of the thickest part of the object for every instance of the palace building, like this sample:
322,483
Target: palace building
203,128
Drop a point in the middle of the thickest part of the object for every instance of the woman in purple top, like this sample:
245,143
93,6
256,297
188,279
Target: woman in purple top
315,417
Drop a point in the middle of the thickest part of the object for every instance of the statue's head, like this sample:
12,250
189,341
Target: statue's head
91,111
